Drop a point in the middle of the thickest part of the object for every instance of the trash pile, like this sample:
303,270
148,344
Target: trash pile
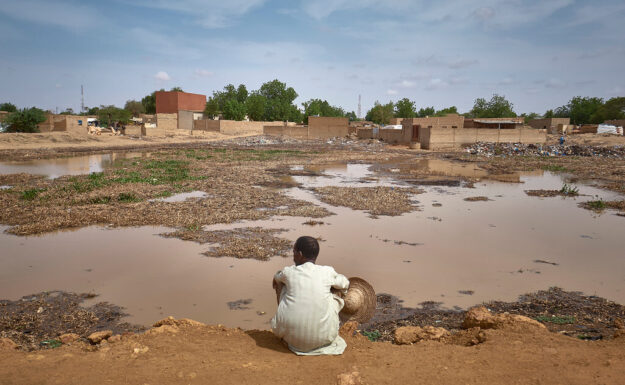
260,140
510,149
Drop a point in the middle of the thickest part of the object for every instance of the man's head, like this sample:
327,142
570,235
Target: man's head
306,249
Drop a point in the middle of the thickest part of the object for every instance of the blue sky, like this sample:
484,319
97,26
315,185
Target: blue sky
538,53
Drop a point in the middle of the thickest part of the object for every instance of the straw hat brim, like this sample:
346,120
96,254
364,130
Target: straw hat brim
360,301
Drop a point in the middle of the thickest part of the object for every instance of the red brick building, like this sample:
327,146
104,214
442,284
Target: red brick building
170,102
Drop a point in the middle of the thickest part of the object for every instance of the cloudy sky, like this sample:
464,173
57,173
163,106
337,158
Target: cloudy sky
538,53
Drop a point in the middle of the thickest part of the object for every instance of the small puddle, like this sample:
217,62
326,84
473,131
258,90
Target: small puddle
76,165
495,250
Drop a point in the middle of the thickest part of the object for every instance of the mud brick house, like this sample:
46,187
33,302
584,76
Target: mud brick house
552,125
178,110
496,123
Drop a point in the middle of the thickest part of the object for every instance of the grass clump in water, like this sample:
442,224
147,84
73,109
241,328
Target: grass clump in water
596,205
373,335
569,190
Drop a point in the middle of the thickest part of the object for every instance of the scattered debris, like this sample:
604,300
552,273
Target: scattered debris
313,223
240,304
466,292
476,199
545,262
510,149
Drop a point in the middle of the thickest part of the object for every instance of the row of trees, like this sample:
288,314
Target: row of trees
584,110
404,108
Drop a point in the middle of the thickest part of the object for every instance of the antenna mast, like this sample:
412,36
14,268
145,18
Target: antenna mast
359,107
82,100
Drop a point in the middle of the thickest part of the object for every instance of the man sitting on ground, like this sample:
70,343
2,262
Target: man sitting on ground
308,312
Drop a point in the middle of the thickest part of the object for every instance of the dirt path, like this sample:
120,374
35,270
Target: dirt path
216,355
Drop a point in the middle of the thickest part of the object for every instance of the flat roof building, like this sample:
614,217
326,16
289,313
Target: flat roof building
170,102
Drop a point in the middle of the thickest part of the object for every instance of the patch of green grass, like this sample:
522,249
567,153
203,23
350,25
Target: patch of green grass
194,227
127,198
556,319
373,335
93,181
100,200
569,190
554,168
596,205
29,195
164,194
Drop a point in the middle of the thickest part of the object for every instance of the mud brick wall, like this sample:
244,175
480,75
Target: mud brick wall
589,129
297,132
206,125
431,138
185,120
165,124
392,136
321,127
365,133
396,121
552,125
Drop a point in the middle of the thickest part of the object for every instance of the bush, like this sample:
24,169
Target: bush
25,120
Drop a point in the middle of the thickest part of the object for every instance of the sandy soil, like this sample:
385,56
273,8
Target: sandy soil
216,355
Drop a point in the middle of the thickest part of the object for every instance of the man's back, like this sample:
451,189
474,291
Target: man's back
307,315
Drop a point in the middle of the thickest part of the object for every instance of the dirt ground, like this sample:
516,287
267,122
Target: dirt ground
217,355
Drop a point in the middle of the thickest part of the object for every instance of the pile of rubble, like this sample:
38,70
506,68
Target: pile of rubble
511,149
260,140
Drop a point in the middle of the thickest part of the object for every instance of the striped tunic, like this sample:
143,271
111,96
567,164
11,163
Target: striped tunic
308,313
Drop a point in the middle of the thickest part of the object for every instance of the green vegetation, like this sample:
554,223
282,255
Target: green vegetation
107,115
597,205
569,190
8,107
373,335
564,320
585,110
194,227
554,168
381,113
127,198
135,107
164,194
25,120
100,200
29,195
496,107
318,107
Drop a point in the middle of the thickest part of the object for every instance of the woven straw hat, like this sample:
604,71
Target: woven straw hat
360,301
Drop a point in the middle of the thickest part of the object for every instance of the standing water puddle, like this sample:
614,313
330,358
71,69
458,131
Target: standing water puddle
450,246
76,165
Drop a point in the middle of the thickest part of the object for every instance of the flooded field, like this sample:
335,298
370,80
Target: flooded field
452,251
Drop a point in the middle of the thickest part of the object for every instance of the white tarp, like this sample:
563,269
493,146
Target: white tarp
393,127
609,129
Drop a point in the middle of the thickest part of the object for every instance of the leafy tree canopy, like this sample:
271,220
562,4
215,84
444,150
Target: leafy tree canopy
176,89
279,100
405,108
496,107
255,104
530,116
8,107
25,120
149,102
68,111
381,113
234,110
446,111
427,111
318,107
612,109
92,110
107,115
135,107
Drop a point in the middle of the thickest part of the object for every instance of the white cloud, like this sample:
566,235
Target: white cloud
208,13
203,73
162,76
407,83
436,83
58,13
391,92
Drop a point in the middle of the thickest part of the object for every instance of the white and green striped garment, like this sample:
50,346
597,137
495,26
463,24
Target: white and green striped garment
308,313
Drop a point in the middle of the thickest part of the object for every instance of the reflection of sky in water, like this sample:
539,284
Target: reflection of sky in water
486,247
53,168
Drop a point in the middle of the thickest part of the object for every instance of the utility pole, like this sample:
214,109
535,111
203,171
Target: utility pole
359,107
82,100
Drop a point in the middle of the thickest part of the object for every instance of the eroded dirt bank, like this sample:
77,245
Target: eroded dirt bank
185,353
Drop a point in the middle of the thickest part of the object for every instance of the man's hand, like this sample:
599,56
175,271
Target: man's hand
277,286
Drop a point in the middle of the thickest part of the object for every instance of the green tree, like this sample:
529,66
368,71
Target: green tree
177,89
234,110
612,109
427,111
279,100
242,93
295,115
352,116
149,102
8,107
25,120
255,104
548,114
496,107
134,107
216,104
68,111
318,107
530,116
582,109
107,115
447,111
92,110
405,108
381,113
212,108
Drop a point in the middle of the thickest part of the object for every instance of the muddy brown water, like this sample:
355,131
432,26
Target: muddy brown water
75,165
487,248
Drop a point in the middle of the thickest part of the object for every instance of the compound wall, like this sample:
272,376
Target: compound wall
550,124
166,124
297,132
321,127
432,139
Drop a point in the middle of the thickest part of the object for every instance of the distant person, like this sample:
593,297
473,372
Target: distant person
307,318
562,140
